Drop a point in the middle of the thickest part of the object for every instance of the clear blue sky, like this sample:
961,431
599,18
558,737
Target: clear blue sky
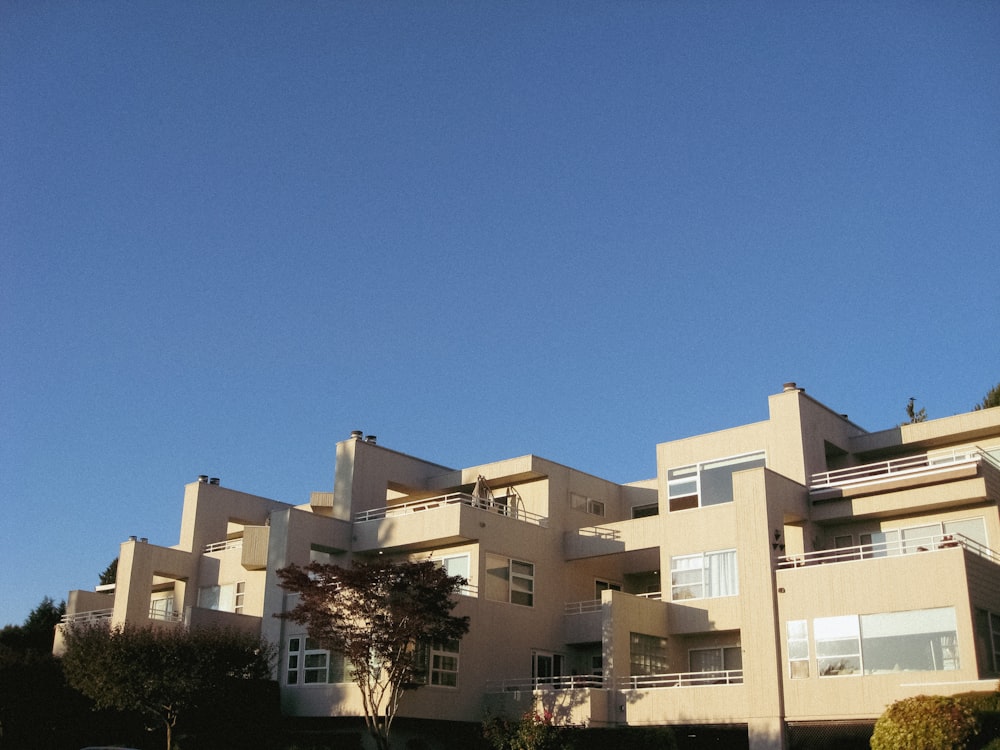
232,232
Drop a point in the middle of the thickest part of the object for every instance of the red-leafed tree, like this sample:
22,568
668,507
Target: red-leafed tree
379,615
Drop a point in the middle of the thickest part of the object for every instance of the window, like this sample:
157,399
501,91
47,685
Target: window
993,625
510,580
924,639
926,536
707,482
838,645
914,640
600,586
226,597
704,576
162,608
586,504
798,648
647,654
723,659
309,664
457,565
439,664
645,511
546,667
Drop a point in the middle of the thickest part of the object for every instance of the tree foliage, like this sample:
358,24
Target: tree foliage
110,574
38,630
925,722
915,415
377,615
533,731
161,673
991,399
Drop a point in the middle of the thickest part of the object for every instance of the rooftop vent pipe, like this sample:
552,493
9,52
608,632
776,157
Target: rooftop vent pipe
214,480
371,439
357,434
790,387
203,479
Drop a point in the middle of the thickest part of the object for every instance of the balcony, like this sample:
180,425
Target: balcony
405,509
447,519
682,679
891,548
87,618
898,473
531,684
226,544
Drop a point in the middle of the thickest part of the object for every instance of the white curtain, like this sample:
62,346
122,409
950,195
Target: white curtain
721,578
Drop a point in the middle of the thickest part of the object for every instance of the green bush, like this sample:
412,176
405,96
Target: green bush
926,722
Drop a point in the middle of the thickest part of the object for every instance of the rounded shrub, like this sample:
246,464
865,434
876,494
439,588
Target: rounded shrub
925,722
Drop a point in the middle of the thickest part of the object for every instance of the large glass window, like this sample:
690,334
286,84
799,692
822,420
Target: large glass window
704,576
924,639
725,658
838,645
915,640
926,536
707,482
510,580
227,597
647,654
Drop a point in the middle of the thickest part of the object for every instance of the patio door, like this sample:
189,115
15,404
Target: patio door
546,667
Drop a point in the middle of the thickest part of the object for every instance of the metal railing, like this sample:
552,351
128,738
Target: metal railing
682,679
224,545
924,463
94,615
891,548
456,498
599,532
165,615
580,608
528,684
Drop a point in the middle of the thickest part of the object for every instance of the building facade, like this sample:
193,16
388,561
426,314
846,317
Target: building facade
797,570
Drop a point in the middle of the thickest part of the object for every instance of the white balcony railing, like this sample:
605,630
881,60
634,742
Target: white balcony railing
921,464
165,615
94,615
224,545
581,608
456,498
682,679
890,548
528,684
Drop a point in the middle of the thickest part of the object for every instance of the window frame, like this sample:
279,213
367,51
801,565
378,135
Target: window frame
798,665
688,480
722,652
520,583
586,504
704,580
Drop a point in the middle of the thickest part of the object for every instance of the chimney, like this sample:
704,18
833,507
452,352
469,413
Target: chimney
370,439
357,434
214,480
203,479
791,387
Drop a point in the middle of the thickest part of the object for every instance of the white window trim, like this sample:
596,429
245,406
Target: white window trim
703,556
511,575
697,468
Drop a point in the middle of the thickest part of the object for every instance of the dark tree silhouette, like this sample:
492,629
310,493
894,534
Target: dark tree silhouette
161,673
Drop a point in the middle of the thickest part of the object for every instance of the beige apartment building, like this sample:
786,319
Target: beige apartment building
789,572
